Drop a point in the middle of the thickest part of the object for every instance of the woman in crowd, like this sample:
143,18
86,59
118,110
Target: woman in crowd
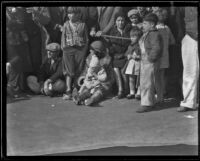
118,47
74,45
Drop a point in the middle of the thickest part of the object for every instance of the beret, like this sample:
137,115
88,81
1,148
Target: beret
53,47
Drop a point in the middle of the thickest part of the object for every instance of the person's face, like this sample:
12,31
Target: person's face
134,39
160,17
120,22
73,17
134,19
146,26
52,54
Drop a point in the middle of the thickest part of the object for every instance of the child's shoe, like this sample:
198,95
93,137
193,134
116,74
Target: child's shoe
130,96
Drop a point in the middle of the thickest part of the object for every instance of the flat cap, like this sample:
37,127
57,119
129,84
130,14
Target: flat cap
53,47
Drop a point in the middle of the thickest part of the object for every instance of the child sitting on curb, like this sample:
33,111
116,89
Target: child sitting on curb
97,81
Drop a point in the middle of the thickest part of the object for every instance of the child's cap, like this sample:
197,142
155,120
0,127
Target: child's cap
98,46
151,17
133,12
53,47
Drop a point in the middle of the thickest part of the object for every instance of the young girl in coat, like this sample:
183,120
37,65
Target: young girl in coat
74,44
133,65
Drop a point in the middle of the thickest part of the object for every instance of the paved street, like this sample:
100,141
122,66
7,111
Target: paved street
39,125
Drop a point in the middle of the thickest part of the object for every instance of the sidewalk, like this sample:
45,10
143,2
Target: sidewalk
42,125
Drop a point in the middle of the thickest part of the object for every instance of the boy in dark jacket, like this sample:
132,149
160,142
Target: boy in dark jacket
49,80
151,49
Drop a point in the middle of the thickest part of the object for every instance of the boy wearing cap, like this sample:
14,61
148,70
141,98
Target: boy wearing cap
151,49
49,80
99,77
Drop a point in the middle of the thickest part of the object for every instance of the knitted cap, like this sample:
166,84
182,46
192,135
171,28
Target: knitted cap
53,47
133,12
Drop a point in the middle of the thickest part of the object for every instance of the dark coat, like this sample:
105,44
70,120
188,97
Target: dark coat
17,47
153,45
35,41
89,16
118,47
47,73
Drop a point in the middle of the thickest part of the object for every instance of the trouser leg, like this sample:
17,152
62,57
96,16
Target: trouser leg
190,72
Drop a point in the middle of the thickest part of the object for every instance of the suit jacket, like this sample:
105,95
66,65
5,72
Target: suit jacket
54,73
153,45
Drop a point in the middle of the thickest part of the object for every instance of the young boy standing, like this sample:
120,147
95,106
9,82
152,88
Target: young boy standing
151,49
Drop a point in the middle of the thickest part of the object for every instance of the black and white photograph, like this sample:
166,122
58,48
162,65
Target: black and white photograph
99,78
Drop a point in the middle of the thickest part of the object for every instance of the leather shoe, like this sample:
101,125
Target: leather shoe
130,96
144,109
183,109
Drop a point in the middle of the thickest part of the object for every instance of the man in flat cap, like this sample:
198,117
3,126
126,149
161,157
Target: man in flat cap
49,80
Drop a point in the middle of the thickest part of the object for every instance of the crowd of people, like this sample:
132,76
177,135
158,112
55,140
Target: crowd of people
85,54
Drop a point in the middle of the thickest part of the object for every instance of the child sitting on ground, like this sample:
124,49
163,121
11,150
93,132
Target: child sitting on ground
97,82
132,68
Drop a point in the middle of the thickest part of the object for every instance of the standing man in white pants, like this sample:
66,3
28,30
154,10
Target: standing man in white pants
190,62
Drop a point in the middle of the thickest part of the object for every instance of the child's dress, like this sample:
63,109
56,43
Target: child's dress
133,65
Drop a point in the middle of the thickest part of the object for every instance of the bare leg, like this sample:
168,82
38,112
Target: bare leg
132,84
119,80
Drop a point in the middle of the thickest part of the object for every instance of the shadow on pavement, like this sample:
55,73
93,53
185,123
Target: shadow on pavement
180,149
167,104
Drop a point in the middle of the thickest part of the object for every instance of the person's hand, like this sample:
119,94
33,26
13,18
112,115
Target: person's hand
59,27
46,86
99,33
92,33
8,68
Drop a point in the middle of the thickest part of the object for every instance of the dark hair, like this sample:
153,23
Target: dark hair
120,14
97,53
73,10
135,31
151,17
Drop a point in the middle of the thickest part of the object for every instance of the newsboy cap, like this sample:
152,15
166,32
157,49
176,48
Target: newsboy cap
53,47
133,12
